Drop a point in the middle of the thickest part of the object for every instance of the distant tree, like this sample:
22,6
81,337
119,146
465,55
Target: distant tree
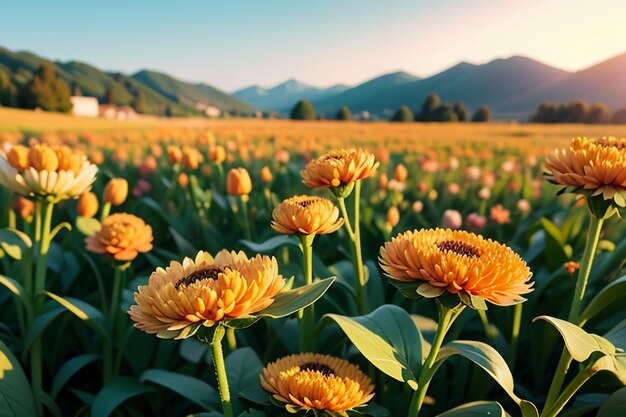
483,114
460,111
431,104
140,103
169,111
444,113
619,117
8,91
546,113
109,96
47,91
575,112
344,114
303,111
598,113
76,91
404,114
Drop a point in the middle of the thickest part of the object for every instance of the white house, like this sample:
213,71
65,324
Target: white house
85,106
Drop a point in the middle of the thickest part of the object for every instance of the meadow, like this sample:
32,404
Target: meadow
257,268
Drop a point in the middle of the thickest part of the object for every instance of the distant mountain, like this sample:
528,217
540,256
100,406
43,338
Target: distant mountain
285,95
354,97
163,94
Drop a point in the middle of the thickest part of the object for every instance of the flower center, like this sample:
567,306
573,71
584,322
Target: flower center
460,248
211,272
317,367
306,203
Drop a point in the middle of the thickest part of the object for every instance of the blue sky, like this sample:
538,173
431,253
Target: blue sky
235,43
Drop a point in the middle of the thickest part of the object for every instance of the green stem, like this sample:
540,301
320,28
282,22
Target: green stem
485,321
569,391
447,315
37,221
517,323
593,236
220,371
231,339
247,230
306,319
115,295
106,210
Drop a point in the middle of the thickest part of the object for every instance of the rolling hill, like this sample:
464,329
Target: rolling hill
162,93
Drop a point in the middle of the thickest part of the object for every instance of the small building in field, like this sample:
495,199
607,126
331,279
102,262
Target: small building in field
85,106
109,111
209,110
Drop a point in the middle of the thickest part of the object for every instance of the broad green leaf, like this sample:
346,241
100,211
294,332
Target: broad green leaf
88,225
578,342
39,325
83,311
16,398
12,285
388,339
69,369
288,302
115,393
477,408
616,364
270,244
243,368
183,245
617,335
555,246
615,405
194,389
14,242
611,295
584,404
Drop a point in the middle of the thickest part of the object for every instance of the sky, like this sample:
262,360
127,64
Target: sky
236,43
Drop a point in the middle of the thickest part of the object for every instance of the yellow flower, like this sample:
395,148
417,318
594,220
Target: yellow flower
238,182
594,166
122,236
339,168
317,382
116,191
41,171
87,205
306,215
181,298
458,262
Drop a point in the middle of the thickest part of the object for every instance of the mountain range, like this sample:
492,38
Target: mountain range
512,87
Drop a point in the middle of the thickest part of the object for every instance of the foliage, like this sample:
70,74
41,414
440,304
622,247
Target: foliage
303,110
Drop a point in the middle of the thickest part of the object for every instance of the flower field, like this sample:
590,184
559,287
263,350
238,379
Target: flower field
272,268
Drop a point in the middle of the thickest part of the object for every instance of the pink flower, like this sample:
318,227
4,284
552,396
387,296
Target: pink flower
475,221
451,219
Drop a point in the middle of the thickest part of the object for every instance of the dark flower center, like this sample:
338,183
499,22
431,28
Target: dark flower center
460,248
332,157
306,203
317,367
211,272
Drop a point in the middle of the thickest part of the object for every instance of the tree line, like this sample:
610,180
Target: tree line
433,110
578,111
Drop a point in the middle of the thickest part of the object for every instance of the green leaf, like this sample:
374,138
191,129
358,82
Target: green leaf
612,294
270,244
243,368
195,390
16,398
39,325
555,245
12,285
58,228
615,405
578,342
14,242
115,393
617,335
490,360
288,302
85,312
584,404
477,408
69,369
407,288
388,339
88,225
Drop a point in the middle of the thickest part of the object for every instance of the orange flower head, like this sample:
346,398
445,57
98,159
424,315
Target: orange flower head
339,168
311,381
116,191
571,267
306,215
594,167
183,179
201,292
238,182
266,175
121,237
459,262
87,205
217,154
43,158
175,154
191,158
393,216
401,173
499,214
18,157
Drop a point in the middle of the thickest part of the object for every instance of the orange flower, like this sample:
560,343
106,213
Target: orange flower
87,205
116,191
122,237
24,207
238,182
266,175
571,267
306,215
596,167
499,214
401,173
339,168
183,179
191,158
175,154
183,297
217,154
458,262
393,217
311,381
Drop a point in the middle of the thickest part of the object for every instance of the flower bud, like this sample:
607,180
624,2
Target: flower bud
266,175
18,157
183,180
401,173
393,216
191,158
417,207
175,154
43,158
383,181
475,221
238,182
484,193
87,205
523,206
24,207
451,219
116,191
217,154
